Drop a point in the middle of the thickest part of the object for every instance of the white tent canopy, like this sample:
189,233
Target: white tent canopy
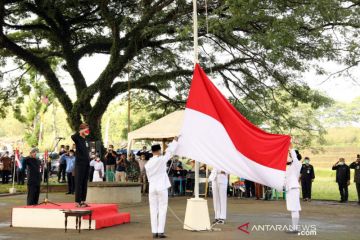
162,129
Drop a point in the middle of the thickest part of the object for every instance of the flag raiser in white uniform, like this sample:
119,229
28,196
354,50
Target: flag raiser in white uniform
158,188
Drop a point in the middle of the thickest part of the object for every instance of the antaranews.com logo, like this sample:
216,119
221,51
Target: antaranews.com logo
301,230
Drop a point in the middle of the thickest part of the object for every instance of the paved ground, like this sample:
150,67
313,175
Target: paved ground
332,221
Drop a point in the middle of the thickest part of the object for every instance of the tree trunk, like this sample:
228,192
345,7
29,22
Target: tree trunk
95,127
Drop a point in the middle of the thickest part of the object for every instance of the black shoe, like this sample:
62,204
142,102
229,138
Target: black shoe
155,235
68,193
215,221
161,235
221,221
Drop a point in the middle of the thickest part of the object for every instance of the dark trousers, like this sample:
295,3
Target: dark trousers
33,194
358,190
343,188
249,188
306,188
61,173
91,173
81,180
5,176
21,177
258,190
46,175
70,182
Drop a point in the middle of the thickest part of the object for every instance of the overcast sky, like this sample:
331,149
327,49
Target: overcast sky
340,88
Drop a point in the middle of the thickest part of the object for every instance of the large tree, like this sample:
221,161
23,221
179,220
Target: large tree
258,48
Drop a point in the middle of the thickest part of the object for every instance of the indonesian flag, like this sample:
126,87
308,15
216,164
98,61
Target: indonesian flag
17,158
215,133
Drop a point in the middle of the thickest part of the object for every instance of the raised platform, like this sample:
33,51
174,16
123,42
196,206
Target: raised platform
51,216
114,192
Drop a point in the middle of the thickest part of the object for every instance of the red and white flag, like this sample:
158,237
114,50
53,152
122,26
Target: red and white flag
17,158
215,133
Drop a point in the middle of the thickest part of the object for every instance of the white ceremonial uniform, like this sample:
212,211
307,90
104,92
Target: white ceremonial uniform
98,171
158,188
292,183
219,184
293,189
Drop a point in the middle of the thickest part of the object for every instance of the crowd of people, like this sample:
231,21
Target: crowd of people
117,166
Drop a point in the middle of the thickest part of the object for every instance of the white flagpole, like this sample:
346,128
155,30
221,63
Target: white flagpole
196,42
197,212
196,60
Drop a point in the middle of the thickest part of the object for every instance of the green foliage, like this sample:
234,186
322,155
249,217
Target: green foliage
342,114
258,48
37,103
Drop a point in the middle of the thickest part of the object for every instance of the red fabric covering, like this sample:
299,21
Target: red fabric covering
105,215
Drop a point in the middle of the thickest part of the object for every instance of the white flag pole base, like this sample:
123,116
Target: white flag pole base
12,190
197,215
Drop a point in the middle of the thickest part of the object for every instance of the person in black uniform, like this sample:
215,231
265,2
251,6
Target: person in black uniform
62,165
144,151
342,178
307,177
82,165
91,169
249,188
33,177
356,165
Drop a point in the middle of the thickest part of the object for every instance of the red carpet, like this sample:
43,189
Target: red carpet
105,215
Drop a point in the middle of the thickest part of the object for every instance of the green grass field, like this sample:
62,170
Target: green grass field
325,187
4,188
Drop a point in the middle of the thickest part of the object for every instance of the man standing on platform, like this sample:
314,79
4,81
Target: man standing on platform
158,187
82,165
219,184
33,177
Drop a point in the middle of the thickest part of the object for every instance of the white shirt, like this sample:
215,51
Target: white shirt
156,169
92,163
293,172
142,165
218,177
99,166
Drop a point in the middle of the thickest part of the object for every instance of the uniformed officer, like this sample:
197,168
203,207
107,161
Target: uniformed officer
342,178
32,163
307,177
219,184
356,165
292,187
82,165
158,187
